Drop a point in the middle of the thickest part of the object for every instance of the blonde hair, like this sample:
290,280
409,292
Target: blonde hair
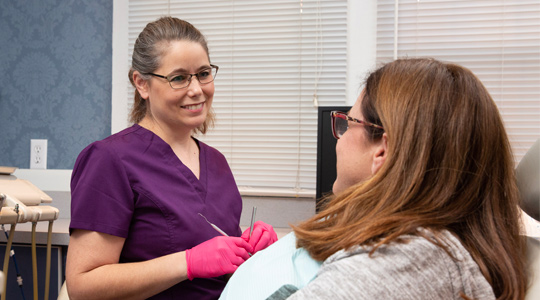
449,166
148,50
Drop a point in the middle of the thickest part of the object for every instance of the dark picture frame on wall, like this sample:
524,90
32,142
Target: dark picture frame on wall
326,152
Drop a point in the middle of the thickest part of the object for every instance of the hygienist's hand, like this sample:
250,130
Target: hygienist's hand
263,235
218,256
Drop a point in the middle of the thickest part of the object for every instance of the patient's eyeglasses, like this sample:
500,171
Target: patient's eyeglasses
340,123
182,80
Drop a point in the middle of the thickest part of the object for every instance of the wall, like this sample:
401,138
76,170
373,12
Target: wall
279,212
65,49
55,78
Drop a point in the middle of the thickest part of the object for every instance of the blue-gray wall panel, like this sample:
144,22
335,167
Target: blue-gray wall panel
55,78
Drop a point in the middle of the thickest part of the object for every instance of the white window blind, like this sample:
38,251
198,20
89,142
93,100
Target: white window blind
275,58
498,40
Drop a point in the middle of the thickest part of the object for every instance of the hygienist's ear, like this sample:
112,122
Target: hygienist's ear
140,84
379,155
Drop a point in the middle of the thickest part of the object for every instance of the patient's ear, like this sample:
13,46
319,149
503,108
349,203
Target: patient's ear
140,84
379,155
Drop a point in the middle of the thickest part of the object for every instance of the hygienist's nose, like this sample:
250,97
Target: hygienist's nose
194,87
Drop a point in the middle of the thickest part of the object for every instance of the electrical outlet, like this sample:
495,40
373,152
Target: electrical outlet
38,154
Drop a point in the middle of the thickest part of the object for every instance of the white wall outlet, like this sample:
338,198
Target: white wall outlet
38,154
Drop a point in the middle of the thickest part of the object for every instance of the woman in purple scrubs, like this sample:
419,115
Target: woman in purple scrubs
138,195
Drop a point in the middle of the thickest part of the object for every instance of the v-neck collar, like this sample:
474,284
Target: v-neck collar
199,184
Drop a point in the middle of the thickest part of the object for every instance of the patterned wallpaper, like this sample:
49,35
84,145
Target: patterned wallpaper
55,78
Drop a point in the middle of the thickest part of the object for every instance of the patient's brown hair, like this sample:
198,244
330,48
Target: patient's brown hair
449,166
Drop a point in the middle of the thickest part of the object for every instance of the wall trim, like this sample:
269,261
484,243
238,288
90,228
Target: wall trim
120,66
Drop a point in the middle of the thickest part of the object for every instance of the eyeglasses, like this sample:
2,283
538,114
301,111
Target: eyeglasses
182,80
340,123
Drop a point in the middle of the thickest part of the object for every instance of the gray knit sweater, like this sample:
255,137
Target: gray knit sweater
415,270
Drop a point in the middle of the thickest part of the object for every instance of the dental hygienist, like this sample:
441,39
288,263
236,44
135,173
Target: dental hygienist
138,195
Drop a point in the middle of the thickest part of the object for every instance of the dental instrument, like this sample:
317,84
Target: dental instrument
214,226
34,261
6,260
12,254
253,212
19,203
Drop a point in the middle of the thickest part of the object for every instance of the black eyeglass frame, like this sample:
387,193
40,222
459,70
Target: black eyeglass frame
338,114
170,77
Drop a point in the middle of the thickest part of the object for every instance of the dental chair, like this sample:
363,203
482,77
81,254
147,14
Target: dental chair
528,179
63,293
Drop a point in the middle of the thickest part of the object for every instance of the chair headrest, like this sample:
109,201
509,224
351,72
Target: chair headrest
528,181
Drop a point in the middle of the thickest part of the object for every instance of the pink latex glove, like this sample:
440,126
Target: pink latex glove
218,256
263,235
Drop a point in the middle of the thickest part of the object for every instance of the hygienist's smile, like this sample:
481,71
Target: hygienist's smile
194,107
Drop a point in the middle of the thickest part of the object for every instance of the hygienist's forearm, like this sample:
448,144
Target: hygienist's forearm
130,280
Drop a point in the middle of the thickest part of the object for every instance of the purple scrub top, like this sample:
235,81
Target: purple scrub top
132,185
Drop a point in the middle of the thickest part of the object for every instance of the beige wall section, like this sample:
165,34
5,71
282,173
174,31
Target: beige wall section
361,44
278,212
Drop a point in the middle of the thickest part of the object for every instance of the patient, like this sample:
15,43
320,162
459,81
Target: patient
425,205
